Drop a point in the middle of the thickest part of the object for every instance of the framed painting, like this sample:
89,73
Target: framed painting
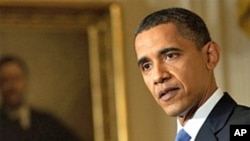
74,51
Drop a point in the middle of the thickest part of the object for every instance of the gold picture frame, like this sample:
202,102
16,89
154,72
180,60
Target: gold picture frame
101,22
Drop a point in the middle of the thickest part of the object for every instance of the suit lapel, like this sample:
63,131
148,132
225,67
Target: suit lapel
217,119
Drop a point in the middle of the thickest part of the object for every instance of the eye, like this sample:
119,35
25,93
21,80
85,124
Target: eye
146,66
170,56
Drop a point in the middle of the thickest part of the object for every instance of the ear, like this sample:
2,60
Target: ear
212,53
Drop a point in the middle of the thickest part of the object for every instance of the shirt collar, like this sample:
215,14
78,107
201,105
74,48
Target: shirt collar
22,115
194,124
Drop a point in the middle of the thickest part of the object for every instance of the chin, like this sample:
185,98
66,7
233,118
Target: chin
172,114
15,103
173,111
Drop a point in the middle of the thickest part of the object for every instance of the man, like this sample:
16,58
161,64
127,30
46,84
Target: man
177,59
18,121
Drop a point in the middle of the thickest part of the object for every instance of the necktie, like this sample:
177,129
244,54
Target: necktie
182,136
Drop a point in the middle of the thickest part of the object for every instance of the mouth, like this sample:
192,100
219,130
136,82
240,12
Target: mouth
167,93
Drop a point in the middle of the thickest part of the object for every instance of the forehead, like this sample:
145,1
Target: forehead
161,35
10,67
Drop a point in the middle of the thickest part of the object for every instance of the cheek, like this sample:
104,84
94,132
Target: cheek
191,77
20,85
184,75
149,83
5,87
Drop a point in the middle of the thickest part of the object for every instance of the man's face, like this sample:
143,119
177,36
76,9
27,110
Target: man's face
12,85
172,67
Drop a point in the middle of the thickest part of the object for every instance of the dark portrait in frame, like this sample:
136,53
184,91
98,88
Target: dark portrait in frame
74,51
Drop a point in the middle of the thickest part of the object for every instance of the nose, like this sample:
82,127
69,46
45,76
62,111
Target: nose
160,74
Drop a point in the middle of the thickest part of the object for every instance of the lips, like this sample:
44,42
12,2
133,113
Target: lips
167,93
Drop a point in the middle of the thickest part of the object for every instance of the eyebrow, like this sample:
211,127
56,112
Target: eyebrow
141,61
166,50
163,51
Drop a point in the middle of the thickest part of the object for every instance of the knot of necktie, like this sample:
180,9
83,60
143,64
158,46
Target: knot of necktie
182,136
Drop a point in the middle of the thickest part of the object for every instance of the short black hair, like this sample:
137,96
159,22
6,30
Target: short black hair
6,59
189,24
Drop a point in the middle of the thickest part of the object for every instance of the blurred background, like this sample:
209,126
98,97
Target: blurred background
227,21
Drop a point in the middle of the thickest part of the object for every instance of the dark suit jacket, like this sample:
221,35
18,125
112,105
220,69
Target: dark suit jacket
226,112
44,127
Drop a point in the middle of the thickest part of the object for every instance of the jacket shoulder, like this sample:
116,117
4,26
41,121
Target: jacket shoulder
240,115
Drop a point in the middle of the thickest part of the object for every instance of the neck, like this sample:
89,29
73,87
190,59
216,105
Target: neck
190,113
10,108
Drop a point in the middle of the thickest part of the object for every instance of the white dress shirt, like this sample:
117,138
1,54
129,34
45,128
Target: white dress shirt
22,114
194,124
